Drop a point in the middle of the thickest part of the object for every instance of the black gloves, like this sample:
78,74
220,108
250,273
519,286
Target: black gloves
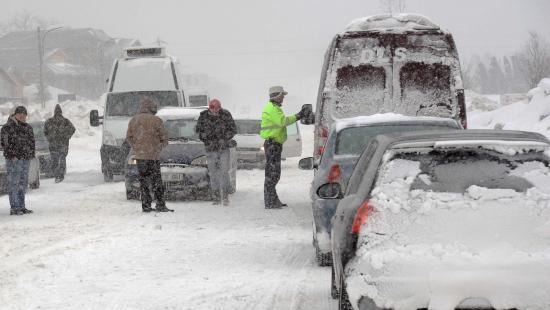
300,114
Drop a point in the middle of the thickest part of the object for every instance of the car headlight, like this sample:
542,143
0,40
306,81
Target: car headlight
132,160
200,161
108,138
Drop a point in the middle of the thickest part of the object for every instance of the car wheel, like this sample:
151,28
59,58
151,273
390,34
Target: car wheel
333,290
323,259
107,176
35,185
343,300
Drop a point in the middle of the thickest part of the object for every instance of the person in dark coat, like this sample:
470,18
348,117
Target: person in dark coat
147,136
216,128
17,140
58,130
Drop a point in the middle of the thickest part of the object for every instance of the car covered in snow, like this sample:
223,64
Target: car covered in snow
444,220
142,72
184,167
346,140
400,63
250,146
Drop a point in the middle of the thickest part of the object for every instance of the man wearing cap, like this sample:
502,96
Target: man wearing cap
17,140
273,130
216,129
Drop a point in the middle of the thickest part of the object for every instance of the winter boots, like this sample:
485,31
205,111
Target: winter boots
20,211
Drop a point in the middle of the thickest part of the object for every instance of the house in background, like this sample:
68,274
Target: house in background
77,60
11,90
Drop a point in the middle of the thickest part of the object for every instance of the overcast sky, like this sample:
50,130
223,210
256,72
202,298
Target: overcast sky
254,43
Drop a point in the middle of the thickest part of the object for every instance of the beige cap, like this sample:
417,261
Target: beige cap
275,90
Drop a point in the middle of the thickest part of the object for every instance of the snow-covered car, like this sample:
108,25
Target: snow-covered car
184,168
401,63
250,146
346,140
444,220
42,149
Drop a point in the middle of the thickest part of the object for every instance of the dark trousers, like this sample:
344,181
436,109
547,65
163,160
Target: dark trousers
150,179
273,152
59,161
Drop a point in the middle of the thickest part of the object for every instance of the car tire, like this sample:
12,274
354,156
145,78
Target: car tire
333,290
107,176
35,185
132,195
323,259
343,299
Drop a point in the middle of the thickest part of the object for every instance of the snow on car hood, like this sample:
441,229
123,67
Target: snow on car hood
428,248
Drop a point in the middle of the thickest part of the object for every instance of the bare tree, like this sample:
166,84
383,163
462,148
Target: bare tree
535,59
24,20
394,6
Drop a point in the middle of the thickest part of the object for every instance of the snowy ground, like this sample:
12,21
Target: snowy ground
87,247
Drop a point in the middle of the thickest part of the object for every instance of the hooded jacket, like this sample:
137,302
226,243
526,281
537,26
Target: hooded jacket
17,140
58,130
146,133
216,132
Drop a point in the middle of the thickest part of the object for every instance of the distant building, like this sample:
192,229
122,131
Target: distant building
76,60
10,88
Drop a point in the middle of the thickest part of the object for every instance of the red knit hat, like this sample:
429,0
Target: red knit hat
214,105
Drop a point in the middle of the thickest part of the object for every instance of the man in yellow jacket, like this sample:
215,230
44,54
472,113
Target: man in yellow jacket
273,130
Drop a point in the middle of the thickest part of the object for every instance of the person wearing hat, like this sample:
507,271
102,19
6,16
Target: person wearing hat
58,130
216,129
17,140
273,130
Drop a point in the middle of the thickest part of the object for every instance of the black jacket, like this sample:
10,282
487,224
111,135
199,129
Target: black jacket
58,130
17,140
216,131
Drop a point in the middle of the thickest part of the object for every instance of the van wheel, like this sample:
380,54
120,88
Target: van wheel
323,259
107,176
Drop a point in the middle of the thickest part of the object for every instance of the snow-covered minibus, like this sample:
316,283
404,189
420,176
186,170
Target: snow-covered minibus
401,63
143,71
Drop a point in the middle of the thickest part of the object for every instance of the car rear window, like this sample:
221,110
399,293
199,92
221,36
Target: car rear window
352,141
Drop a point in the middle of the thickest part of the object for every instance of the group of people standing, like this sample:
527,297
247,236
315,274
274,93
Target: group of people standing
147,136
18,143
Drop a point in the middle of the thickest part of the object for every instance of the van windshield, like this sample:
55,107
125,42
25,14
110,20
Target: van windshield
144,74
127,103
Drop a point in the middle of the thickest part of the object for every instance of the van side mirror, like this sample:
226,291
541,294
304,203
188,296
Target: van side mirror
94,118
330,191
307,163
309,116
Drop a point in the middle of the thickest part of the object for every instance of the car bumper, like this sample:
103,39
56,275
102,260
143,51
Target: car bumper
190,182
323,210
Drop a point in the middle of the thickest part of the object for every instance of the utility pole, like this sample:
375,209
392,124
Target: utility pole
40,64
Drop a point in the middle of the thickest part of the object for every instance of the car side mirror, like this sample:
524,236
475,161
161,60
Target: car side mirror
308,117
330,191
94,118
307,163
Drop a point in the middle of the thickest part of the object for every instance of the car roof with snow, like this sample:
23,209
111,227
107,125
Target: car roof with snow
390,119
172,113
479,137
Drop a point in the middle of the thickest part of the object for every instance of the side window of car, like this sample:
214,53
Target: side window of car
361,167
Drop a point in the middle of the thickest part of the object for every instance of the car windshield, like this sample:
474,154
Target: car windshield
352,141
248,127
127,103
181,129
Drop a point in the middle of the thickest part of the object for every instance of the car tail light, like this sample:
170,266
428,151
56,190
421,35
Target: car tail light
321,150
361,217
334,174
323,132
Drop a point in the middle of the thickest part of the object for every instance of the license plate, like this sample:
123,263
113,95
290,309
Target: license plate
172,177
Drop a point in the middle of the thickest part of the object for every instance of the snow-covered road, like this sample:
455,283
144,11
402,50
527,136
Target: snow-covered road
87,247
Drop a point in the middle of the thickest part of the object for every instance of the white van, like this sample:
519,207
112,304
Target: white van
143,71
403,63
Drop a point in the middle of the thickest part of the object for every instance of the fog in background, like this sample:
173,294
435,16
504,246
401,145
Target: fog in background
247,45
